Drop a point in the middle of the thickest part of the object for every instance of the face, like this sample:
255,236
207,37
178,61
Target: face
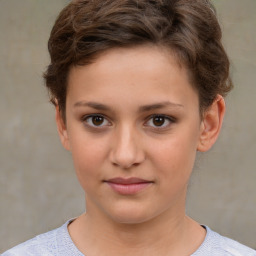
133,127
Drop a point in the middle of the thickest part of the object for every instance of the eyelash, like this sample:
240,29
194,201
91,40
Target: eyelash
86,118
169,119
166,118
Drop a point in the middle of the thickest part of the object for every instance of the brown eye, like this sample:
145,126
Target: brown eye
96,121
158,120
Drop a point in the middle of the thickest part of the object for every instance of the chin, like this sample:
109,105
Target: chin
130,219
131,215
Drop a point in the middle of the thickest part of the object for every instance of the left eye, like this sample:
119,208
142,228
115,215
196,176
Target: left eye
159,121
96,121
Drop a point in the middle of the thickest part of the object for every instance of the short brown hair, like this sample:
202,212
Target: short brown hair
85,28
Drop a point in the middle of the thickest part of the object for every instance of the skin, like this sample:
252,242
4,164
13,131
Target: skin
127,141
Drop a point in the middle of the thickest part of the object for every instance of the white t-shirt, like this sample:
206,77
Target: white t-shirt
58,242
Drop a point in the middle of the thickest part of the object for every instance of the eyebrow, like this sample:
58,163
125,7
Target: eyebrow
145,108
91,104
159,106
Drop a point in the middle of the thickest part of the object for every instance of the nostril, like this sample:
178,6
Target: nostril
127,163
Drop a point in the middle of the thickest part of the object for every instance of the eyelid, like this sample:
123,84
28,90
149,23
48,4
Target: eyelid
170,119
86,117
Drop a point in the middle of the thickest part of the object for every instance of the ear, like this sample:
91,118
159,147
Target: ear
211,124
62,130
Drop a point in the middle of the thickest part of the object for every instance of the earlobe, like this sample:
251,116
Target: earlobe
211,124
62,130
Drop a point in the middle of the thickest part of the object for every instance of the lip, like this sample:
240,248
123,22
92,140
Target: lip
128,186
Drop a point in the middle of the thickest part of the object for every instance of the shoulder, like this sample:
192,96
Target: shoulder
218,245
44,244
235,248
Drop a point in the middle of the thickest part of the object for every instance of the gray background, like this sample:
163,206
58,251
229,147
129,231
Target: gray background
38,187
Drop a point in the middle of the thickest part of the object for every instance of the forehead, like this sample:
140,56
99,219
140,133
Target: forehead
146,71
142,58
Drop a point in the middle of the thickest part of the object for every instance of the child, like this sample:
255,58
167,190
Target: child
138,87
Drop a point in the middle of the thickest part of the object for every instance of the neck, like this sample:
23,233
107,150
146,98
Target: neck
163,235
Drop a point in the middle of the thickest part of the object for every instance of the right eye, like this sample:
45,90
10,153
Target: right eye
96,121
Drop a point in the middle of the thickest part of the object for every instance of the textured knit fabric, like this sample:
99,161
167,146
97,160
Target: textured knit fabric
58,242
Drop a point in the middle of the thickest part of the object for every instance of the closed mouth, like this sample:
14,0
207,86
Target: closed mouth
128,186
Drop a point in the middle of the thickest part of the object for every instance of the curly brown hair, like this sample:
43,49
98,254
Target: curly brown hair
86,28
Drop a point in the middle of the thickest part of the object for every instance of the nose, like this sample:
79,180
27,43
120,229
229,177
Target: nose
126,150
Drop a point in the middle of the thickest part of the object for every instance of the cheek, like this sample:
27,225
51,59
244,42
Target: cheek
88,157
174,158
